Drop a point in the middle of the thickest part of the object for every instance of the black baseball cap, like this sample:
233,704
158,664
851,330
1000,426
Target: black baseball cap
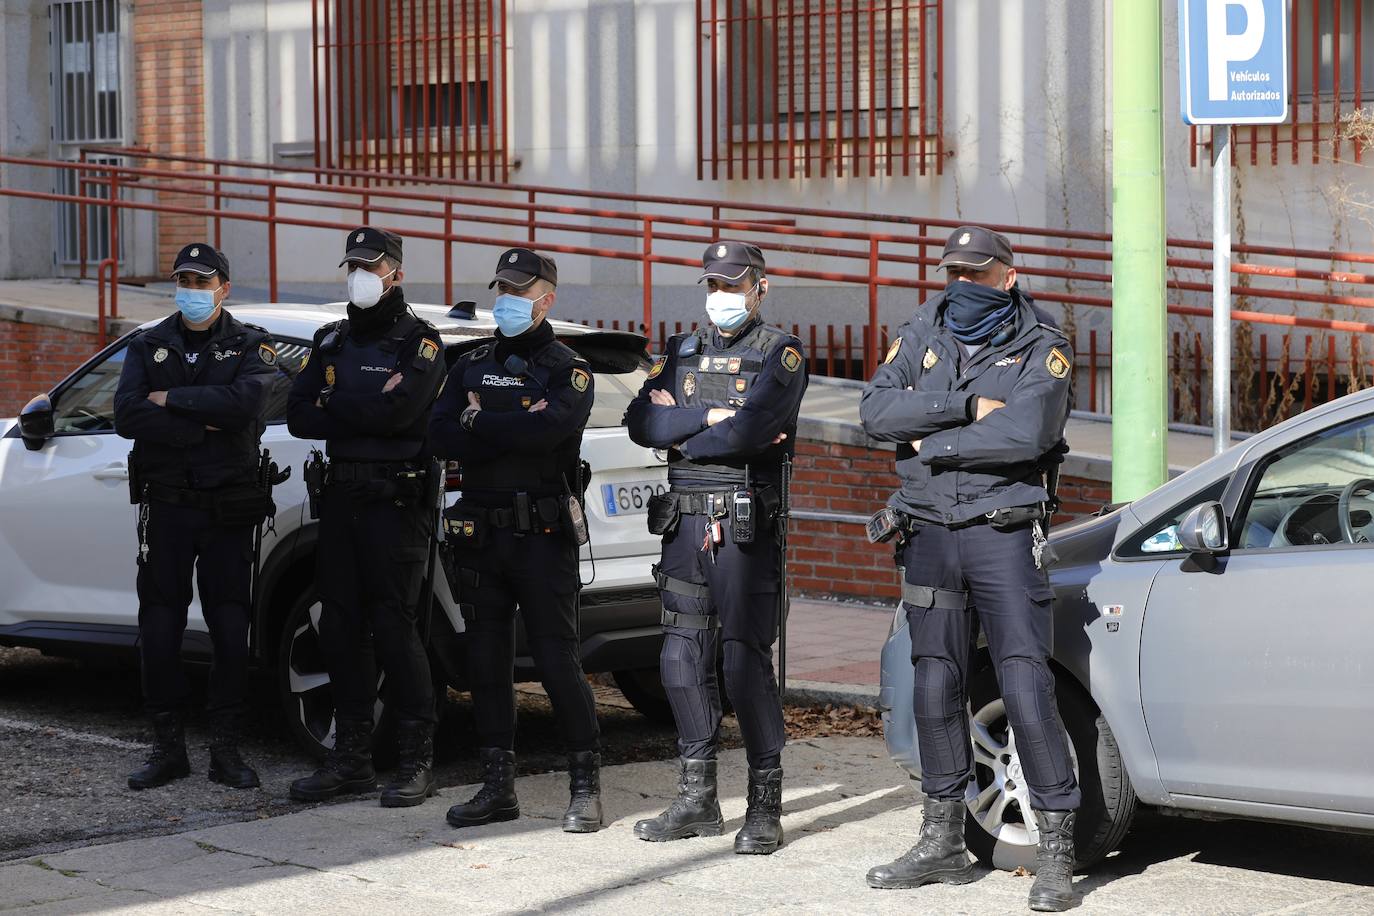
520,267
730,261
200,258
975,248
366,245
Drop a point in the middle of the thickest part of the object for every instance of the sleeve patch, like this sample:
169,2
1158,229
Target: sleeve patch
581,378
893,350
428,350
268,355
306,361
1057,363
791,359
657,369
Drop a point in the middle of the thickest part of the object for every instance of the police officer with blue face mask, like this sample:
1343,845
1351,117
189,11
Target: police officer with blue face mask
512,413
723,400
367,389
192,395
975,394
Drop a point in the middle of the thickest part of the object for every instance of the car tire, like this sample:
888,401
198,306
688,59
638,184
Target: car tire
643,687
1109,800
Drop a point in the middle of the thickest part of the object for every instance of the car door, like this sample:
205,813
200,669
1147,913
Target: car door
1255,666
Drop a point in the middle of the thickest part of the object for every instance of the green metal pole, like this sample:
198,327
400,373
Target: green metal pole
1139,361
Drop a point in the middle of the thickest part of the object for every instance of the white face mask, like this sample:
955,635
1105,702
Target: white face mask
728,311
365,287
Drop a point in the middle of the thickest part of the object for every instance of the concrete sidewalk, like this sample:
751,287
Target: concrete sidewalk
847,808
833,651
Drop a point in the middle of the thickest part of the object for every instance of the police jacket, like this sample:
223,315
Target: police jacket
927,391
224,383
758,372
510,446
338,395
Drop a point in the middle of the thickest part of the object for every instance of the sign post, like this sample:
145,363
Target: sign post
1233,69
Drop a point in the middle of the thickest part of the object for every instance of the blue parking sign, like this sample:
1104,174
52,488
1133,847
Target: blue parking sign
1233,61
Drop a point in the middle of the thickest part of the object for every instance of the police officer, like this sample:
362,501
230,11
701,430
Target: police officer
367,388
512,413
192,395
975,392
723,399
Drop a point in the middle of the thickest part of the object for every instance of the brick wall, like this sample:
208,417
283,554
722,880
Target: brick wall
832,558
34,358
170,110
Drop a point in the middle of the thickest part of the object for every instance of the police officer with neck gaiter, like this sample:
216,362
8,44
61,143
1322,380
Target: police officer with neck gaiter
723,400
975,393
367,389
512,414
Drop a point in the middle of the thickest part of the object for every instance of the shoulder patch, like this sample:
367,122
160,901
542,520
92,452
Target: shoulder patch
657,369
268,355
307,358
893,350
791,359
930,359
581,378
1057,363
428,350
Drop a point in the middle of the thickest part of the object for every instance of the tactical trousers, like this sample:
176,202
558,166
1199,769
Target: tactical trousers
369,567
536,573
1012,599
742,606
179,539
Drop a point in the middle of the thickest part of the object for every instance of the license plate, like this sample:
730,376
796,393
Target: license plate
631,497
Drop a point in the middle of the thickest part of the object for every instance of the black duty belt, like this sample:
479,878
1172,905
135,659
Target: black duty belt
367,471
177,496
924,596
543,519
703,502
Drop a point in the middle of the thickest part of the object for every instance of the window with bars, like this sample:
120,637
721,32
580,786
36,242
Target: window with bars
818,87
411,87
1331,63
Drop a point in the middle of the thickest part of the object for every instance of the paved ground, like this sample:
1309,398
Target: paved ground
846,808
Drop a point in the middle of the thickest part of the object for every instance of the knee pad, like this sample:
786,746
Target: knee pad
939,689
688,661
1027,690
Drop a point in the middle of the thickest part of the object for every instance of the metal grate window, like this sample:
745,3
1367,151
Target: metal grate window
88,107
828,87
411,87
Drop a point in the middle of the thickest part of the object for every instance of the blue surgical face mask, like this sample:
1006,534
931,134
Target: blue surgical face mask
514,314
196,305
728,311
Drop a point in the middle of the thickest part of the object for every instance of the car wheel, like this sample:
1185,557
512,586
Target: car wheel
644,689
307,696
999,828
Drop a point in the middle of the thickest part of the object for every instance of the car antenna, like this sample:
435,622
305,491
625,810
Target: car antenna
464,309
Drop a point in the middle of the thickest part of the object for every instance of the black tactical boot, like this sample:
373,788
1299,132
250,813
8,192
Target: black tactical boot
938,856
347,766
1052,891
584,813
167,761
695,811
762,830
226,766
496,800
414,780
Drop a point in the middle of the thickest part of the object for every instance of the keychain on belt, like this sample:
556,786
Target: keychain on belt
143,528
1038,542
713,535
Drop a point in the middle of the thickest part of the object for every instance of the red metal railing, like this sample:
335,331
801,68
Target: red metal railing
1277,288
413,88
1322,95
835,87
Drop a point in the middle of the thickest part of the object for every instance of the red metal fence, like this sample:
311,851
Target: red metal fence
1278,289
835,87
412,88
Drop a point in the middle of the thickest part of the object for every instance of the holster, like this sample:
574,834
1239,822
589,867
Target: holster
1015,516
136,494
248,505
663,513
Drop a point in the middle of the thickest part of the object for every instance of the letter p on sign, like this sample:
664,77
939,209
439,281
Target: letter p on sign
1224,48
1233,61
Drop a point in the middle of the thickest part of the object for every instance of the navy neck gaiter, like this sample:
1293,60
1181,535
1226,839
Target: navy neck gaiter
973,311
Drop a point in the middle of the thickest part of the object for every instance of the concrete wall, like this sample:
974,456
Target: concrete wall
25,115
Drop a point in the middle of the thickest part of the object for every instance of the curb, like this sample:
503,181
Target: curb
818,693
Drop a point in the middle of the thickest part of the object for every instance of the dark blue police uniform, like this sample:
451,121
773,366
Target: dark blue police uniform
193,471
376,518
715,590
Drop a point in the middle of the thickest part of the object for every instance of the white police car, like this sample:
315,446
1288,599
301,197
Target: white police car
67,529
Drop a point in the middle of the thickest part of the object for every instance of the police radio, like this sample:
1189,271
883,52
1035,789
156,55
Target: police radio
742,513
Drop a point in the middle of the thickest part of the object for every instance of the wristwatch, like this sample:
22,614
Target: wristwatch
468,417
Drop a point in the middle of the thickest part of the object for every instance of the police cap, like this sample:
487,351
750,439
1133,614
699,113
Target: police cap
519,267
975,248
730,261
200,258
366,245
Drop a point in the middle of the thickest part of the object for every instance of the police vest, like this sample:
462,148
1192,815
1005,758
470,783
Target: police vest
515,384
363,367
712,376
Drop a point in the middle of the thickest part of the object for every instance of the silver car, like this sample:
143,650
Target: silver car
1210,649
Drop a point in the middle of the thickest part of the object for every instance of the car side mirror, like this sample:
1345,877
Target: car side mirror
36,422
1203,529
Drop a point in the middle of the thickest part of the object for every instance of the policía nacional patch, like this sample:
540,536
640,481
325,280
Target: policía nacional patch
791,359
657,369
581,378
160,354
741,384
1057,363
930,359
267,354
892,351
428,350
329,375
689,384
